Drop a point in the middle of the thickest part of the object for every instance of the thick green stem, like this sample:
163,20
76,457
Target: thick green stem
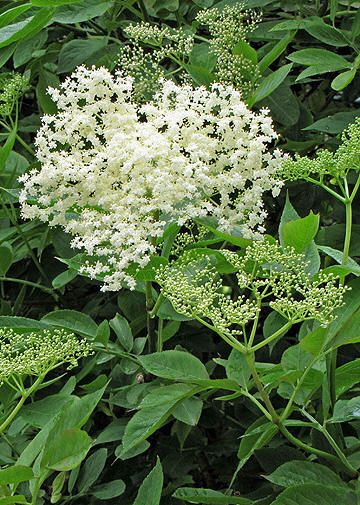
21,402
250,359
13,413
348,230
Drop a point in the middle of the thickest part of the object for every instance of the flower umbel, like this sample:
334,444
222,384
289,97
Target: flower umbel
266,272
12,86
34,354
326,163
114,173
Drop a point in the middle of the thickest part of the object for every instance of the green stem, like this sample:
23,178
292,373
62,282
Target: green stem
326,188
258,404
14,222
265,397
21,402
348,230
255,325
338,451
228,338
13,413
31,284
150,323
317,452
159,344
272,337
289,405
159,301
355,189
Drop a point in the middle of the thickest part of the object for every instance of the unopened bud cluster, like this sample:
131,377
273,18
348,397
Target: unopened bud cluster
265,272
327,163
36,353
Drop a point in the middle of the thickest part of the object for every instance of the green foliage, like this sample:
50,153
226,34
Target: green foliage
243,407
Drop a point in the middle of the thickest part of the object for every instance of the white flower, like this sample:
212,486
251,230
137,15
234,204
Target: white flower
114,172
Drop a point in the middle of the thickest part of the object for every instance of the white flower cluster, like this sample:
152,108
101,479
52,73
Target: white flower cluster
114,172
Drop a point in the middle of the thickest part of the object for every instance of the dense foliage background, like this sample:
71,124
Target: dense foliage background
307,58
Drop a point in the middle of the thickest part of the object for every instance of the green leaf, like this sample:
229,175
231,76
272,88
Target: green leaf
295,358
243,48
344,79
311,253
39,413
326,33
309,494
81,11
275,52
15,474
6,149
67,450
6,257
109,490
269,83
13,499
103,333
294,473
188,411
201,55
176,365
347,376
346,410
11,14
161,7
333,124
64,278
257,435
46,79
155,409
26,48
57,486
29,26
52,3
351,265
322,57
72,320
346,327
283,105
200,74
123,332
22,324
92,469
208,497
299,233
237,368
313,342
78,51
235,237
150,490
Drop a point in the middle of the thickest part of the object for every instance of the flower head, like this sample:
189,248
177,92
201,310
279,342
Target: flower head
114,173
